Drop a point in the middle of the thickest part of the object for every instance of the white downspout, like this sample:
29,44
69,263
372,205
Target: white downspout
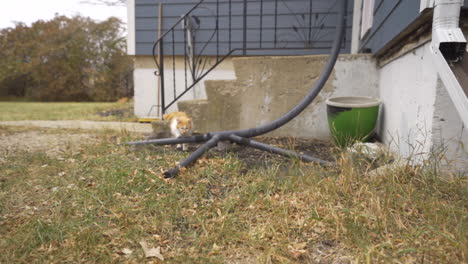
448,46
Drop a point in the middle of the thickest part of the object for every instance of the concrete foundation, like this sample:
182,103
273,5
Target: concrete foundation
407,87
449,134
418,117
268,87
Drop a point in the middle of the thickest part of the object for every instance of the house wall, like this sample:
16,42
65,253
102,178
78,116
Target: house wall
290,14
390,18
448,131
143,28
407,88
418,118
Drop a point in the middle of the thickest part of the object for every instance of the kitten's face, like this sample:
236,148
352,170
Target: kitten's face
184,125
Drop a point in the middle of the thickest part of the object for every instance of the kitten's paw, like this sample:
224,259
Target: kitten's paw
184,147
179,147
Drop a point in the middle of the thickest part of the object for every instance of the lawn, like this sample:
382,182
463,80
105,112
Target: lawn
97,203
12,111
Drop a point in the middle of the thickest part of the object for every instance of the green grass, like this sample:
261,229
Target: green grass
88,206
13,111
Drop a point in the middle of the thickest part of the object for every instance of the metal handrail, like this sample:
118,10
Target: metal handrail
306,32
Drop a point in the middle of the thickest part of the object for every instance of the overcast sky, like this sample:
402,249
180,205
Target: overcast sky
29,11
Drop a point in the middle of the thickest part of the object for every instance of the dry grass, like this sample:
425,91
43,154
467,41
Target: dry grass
13,111
95,205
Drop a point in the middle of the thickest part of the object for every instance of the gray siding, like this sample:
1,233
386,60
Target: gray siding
292,17
391,17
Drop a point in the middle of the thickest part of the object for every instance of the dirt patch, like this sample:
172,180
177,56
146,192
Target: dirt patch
53,145
254,158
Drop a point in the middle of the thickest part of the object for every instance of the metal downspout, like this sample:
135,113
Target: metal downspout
448,48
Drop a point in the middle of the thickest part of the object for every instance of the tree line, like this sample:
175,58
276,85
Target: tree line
65,59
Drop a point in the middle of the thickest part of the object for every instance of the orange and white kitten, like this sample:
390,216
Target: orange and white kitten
181,126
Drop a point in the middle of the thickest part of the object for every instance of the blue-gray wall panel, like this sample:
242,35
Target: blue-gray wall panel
390,19
291,20
253,22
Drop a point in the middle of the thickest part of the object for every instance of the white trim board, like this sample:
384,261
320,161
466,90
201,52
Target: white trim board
355,39
452,85
131,27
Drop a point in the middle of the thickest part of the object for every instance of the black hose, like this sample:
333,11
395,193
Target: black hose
193,157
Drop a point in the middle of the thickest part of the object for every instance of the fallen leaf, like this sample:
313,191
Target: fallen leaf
125,251
152,172
297,249
299,245
111,232
216,247
151,252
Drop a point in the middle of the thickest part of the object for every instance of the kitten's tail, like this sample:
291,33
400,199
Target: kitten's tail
167,116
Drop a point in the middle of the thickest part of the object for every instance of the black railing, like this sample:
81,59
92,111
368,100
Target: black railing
198,37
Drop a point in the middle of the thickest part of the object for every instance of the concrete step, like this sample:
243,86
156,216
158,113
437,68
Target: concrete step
198,111
216,88
266,66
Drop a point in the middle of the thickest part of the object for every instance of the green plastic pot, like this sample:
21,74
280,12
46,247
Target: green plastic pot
352,118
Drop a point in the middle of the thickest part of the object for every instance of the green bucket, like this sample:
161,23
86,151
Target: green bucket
352,118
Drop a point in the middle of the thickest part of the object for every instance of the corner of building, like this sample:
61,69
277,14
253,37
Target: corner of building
418,117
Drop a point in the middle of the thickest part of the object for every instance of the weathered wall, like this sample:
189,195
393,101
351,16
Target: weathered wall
146,83
268,87
407,87
418,117
448,131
